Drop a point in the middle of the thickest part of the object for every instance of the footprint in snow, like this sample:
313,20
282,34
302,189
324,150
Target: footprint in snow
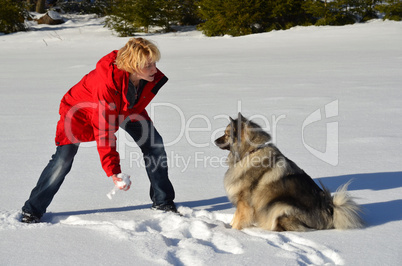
190,239
307,252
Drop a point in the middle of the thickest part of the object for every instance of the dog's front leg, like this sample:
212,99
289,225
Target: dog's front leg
236,216
233,219
243,216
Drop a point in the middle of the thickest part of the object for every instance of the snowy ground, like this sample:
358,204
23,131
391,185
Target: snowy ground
352,75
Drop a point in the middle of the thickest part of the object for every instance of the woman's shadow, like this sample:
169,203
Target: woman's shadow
377,213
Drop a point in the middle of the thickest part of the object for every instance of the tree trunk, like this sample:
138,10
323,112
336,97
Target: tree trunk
40,6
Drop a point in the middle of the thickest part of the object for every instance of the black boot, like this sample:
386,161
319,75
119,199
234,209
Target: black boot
29,218
166,207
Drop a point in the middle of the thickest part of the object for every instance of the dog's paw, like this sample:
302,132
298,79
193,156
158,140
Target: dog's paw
236,225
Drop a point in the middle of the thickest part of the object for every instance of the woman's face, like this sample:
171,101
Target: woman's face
148,72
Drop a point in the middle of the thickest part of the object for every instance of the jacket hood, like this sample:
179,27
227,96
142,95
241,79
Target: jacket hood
111,75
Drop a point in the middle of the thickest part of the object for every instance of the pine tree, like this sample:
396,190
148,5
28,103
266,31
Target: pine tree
129,16
392,9
244,17
166,12
188,12
364,10
237,17
281,14
337,12
31,5
12,16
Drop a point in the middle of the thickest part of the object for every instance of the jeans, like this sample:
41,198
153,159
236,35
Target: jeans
151,145
50,180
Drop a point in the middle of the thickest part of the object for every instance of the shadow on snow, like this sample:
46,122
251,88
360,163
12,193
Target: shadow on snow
377,213
214,204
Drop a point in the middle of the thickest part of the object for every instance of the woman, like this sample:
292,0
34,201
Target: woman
113,95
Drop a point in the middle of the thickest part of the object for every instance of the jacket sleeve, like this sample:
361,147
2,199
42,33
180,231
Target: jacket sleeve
105,122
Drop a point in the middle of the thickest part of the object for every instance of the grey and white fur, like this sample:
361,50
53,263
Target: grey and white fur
272,192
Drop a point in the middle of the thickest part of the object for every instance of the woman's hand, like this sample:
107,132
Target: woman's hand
122,181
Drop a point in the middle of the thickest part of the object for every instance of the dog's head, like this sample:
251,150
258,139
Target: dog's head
242,135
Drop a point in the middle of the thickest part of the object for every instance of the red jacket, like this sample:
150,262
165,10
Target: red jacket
94,108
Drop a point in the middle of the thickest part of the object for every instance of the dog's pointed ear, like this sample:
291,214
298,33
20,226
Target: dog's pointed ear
233,127
232,123
240,117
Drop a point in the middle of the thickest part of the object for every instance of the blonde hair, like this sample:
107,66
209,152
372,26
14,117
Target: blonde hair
136,54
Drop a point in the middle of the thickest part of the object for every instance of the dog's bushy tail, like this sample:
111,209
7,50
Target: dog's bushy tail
346,211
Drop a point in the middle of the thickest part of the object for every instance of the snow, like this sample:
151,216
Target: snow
330,97
54,15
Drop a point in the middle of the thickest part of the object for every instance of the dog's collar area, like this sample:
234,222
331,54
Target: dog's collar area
266,144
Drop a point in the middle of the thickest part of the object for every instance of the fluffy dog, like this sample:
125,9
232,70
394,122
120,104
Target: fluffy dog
272,192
